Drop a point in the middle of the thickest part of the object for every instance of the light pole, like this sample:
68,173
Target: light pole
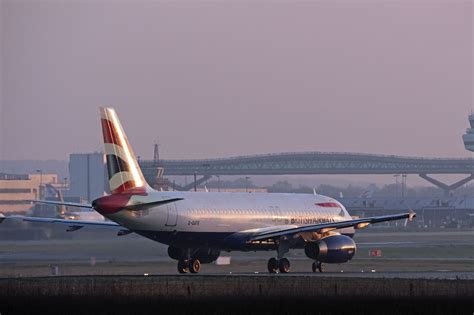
65,187
40,192
247,183
205,171
404,185
396,184
195,184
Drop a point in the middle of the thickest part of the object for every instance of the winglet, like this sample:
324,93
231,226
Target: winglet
411,214
2,217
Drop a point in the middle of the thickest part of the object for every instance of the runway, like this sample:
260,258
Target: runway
443,255
441,275
418,272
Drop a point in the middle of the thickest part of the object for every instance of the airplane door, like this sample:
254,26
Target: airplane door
172,217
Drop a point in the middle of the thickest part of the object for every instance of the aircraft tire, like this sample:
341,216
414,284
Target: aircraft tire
284,265
183,266
194,265
317,266
272,265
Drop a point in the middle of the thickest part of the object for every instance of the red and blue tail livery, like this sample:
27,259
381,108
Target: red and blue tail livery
124,172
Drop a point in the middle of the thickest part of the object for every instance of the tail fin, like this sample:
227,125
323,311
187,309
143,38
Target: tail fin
124,173
61,208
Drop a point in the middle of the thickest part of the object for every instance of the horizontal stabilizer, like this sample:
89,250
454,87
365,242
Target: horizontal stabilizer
148,205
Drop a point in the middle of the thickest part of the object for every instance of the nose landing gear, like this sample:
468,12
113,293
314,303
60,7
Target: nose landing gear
317,266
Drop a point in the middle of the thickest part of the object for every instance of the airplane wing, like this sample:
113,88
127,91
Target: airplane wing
357,223
62,203
73,225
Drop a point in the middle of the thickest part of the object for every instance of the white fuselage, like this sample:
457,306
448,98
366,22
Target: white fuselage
226,213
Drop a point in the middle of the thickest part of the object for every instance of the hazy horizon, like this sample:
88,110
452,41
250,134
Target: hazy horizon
217,79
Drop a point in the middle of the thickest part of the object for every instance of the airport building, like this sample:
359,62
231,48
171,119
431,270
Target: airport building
87,176
233,190
88,179
468,137
452,212
17,191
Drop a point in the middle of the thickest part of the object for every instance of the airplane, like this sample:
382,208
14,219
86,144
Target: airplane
64,213
198,226
367,194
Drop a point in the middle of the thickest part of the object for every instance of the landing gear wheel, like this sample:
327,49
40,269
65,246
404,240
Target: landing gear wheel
317,266
183,266
272,265
194,265
284,265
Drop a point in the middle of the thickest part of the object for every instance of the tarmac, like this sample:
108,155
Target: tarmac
417,273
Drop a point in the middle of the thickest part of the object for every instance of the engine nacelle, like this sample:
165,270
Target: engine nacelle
332,249
205,255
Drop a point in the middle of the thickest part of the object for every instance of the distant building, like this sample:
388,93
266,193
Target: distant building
161,183
453,212
87,176
234,190
468,137
17,191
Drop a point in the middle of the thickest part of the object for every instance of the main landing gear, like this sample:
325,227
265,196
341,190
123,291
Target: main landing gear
317,266
280,264
192,265
275,265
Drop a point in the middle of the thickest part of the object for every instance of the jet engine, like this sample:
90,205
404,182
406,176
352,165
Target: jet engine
331,249
204,255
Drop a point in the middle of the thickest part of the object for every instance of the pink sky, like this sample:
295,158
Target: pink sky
216,79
